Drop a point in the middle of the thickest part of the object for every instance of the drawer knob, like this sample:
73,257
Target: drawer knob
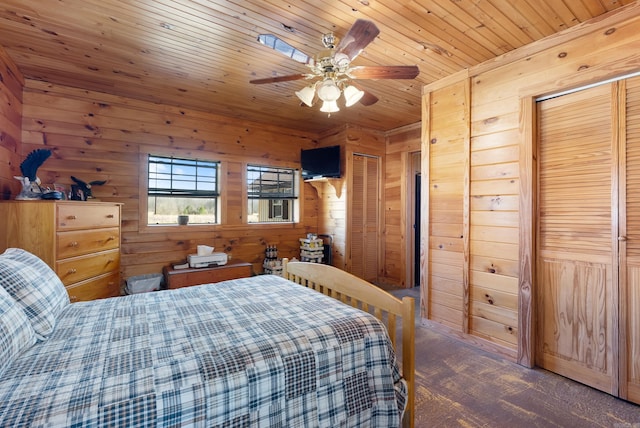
110,216
73,244
72,217
111,238
73,298
72,270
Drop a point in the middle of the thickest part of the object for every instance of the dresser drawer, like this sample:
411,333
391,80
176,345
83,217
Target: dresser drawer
90,216
103,286
77,269
79,242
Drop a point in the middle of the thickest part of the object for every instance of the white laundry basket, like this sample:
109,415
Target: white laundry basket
144,283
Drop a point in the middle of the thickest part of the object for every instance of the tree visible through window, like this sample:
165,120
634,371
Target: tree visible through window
271,193
182,187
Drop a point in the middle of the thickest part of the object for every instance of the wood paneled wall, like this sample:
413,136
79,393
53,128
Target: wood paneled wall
444,223
11,83
499,187
401,143
95,136
333,194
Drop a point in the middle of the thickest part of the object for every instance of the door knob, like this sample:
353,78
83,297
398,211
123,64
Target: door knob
622,238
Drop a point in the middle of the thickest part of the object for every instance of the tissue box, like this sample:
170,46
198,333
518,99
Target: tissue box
205,250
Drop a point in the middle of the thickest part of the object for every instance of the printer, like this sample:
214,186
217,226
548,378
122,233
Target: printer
213,259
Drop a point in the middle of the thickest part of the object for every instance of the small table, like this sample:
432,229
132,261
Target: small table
177,278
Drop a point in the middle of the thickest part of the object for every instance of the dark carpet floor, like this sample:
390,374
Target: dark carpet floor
459,385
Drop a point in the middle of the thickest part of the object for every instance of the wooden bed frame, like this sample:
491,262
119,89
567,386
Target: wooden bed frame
361,294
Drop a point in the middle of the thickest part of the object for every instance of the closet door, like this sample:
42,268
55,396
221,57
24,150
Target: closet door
577,270
630,249
364,217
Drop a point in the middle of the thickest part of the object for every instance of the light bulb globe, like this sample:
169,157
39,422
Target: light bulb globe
306,95
352,95
329,107
328,90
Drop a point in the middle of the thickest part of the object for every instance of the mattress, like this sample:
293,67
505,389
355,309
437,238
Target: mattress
259,352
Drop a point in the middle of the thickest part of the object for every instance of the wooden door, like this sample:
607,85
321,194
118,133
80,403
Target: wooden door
577,237
364,217
630,244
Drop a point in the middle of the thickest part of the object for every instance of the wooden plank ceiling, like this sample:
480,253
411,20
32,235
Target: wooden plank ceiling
201,54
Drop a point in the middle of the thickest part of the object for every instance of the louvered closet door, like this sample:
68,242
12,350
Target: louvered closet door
576,243
364,217
630,250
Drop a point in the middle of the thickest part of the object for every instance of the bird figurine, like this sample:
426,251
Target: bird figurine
81,191
29,179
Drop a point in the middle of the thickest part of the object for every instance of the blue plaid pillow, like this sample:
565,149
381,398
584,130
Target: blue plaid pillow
16,333
35,287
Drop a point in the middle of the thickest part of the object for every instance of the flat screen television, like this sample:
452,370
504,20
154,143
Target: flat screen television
323,162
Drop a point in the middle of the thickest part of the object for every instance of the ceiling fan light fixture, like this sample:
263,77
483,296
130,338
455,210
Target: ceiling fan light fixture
352,95
328,90
331,68
306,95
341,61
329,40
329,107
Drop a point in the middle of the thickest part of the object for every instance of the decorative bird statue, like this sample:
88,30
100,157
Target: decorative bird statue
85,188
30,181
32,162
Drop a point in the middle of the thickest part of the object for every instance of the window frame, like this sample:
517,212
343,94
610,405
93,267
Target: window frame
292,198
220,184
193,163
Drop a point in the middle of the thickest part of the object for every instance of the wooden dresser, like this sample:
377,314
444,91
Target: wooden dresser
79,240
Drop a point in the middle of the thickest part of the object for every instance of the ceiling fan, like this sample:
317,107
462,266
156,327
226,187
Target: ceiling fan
331,68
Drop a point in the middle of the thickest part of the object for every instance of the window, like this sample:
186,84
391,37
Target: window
182,187
272,194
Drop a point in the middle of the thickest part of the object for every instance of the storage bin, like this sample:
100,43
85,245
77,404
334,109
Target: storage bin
144,283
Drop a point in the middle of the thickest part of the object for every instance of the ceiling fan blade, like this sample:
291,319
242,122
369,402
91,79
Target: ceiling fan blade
361,33
368,98
384,72
277,44
286,78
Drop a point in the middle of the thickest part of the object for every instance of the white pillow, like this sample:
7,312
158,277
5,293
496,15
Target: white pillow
16,333
35,287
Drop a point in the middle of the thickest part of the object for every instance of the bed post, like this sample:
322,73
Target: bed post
408,357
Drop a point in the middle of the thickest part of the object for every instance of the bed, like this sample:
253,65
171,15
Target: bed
260,351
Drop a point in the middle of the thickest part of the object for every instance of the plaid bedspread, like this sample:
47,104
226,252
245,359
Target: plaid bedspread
252,352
